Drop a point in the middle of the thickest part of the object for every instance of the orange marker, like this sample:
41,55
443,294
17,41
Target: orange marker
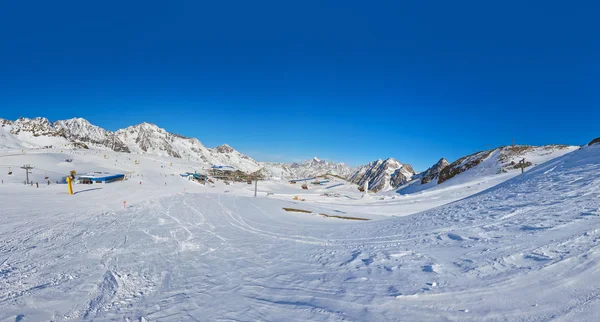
124,203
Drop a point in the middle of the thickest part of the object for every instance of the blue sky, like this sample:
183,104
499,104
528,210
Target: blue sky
349,81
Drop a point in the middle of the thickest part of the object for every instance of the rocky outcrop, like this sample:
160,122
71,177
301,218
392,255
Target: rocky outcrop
383,175
4,122
224,149
39,126
433,173
461,165
594,142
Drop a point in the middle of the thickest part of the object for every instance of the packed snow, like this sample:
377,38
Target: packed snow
157,247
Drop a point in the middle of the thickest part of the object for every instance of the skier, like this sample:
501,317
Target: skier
37,185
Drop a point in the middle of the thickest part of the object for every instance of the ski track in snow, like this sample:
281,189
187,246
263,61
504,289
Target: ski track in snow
526,250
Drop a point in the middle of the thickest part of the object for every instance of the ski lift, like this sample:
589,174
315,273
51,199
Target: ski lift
9,171
46,177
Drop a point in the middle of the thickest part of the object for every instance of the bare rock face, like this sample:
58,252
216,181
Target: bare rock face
402,175
224,149
433,173
463,164
382,174
594,142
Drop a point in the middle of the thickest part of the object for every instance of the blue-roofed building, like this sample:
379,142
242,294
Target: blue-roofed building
100,177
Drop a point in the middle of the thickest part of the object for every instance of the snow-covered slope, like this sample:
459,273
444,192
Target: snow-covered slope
228,155
525,250
489,167
278,171
7,139
504,159
383,175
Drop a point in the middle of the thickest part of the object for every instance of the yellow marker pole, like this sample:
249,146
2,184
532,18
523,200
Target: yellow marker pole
69,181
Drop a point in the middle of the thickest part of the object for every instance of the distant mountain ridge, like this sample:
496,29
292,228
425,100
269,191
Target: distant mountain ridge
147,138
144,138
316,167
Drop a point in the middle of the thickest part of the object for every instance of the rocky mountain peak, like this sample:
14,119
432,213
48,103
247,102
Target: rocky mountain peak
383,174
224,149
37,126
4,122
442,163
433,172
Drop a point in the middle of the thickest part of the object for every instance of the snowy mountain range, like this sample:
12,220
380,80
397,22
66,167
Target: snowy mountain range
307,169
146,138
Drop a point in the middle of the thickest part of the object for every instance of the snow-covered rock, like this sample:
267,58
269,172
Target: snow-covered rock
316,167
80,130
433,173
383,175
39,126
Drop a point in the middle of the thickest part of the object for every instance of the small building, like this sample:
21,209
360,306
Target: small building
100,177
201,178
187,174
